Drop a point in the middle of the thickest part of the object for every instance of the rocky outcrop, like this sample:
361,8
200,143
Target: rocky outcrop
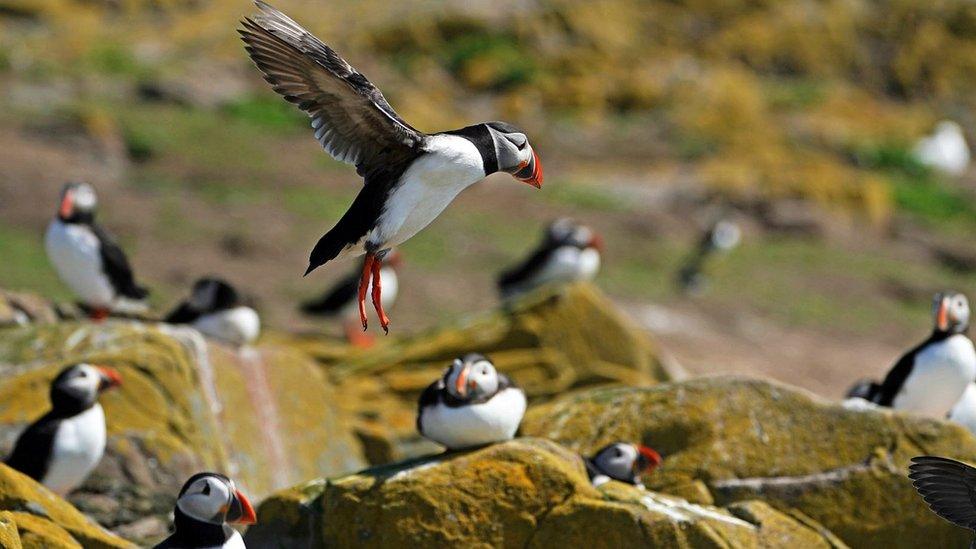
523,493
728,441
264,415
550,342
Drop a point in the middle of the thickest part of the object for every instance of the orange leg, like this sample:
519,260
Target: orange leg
98,314
364,285
377,298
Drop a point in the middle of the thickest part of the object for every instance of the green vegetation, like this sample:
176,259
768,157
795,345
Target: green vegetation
25,265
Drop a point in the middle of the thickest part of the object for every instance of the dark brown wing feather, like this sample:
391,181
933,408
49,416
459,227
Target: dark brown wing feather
948,487
351,118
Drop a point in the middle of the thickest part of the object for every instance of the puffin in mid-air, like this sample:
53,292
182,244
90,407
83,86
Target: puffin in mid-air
948,488
60,449
206,504
621,461
931,378
216,310
340,300
569,252
88,260
410,176
470,405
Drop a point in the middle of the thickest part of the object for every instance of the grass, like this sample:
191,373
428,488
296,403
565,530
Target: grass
585,196
25,264
267,111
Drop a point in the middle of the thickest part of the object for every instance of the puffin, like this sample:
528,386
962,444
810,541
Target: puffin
470,405
621,461
409,176
964,411
215,309
205,505
945,150
569,252
930,378
61,449
340,300
948,488
88,259
721,237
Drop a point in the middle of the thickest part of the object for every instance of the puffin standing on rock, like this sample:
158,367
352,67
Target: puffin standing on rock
215,309
206,504
88,260
931,378
340,301
60,449
471,405
569,252
410,176
621,461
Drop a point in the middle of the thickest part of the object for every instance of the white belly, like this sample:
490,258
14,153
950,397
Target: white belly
388,279
941,374
237,326
78,447
964,412
476,424
74,251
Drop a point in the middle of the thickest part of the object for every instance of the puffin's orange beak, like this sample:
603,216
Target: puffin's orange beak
67,205
531,172
461,383
942,315
110,378
243,511
650,457
597,242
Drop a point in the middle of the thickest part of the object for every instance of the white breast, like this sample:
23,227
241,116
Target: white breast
79,444
946,150
941,373
238,326
964,412
388,278
74,250
235,541
475,424
565,264
451,165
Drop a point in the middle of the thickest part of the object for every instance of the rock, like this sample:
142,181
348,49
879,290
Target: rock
549,342
522,493
740,440
18,309
263,415
33,516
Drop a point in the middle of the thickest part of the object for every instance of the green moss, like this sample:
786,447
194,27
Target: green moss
267,111
25,263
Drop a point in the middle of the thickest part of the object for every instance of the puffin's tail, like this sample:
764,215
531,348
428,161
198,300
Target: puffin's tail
866,389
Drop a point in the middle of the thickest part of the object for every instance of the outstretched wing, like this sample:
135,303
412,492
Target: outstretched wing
351,118
116,266
31,452
948,487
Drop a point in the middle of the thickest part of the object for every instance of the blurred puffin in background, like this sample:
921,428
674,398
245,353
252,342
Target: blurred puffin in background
61,449
569,252
215,309
88,259
932,377
206,504
470,405
410,176
341,302
621,461
945,150
722,236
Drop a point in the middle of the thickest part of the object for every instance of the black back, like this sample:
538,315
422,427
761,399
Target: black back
345,291
527,269
116,267
32,452
225,297
893,382
948,487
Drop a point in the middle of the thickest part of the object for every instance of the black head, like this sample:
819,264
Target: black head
213,294
471,377
78,203
625,462
951,312
213,498
77,387
567,232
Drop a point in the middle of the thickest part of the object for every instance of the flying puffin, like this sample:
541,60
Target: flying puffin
88,260
721,237
340,301
471,405
932,377
948,487
60,449
215,309
206,504
410,176
621,461
568,252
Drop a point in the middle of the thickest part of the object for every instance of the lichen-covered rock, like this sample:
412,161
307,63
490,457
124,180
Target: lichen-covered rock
263,415
733,440
522,493
18,309
31,516
552,341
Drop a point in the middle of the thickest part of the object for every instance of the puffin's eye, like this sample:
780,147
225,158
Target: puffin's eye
618,452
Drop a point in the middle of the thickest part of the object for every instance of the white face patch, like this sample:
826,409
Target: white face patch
84,198
83,381
617,461
511,149
480,379
206,500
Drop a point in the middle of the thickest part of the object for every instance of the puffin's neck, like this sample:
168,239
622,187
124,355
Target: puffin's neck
191,532
79,218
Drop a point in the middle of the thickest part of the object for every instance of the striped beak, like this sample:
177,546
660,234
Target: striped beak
531,172
942,315
647,459
67,205
110,378
461,383
241,511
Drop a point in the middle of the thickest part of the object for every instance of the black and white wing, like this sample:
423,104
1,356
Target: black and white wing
351,118
31,453
948,487
336,298
116,267
522,273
